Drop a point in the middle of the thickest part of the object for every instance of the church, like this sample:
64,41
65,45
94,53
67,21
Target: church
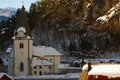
24,59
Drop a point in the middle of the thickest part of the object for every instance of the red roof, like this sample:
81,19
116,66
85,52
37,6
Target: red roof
4,76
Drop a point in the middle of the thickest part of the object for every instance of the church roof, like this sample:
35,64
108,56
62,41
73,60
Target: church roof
23,23
44,51
10,51
21,29
5,62
2,74
38,62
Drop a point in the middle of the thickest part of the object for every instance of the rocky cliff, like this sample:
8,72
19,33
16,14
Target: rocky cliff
77,26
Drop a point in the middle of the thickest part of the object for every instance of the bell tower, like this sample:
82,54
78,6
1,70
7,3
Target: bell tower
23,46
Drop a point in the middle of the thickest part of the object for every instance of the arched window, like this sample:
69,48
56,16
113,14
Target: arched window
21,66
21,45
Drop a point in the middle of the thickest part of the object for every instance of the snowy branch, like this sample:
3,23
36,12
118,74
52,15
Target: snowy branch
111,13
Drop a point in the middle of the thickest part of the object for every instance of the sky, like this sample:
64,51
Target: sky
16,3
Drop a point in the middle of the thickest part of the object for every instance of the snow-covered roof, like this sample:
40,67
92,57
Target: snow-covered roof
28,37
37,62
110,70
51,51
5,62
9,50
38,51
85,67
63,66
44,51
21,29
2,74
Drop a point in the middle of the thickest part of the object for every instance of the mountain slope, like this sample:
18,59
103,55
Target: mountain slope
74,27
6,13
3,18
70,26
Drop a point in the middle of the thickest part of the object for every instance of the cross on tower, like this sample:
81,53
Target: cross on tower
22,2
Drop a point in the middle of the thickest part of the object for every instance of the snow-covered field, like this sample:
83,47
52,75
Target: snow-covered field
63,76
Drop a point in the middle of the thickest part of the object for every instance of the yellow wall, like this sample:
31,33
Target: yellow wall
22,55
55,60
44,69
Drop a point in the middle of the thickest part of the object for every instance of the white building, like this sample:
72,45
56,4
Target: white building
26,59
46,60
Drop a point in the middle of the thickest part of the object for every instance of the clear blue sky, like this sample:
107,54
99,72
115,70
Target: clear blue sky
16,3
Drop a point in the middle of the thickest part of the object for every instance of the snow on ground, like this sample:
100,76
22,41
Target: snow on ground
111,55
63,66
63,76
113,60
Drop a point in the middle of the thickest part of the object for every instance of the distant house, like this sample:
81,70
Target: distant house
24,58
9,53
4,76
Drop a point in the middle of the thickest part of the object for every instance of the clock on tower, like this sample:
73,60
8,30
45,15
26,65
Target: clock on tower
21,34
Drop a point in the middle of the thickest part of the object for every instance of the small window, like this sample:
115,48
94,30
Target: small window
21,66
35,72
21,45
40,67
35,67
50,59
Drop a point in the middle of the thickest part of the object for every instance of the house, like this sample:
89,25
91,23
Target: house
26,59
9,53
45,60
101,71
4,76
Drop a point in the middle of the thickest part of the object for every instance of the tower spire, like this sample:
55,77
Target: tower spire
23,21
22,2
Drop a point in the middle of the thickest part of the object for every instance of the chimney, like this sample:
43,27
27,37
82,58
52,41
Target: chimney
89,66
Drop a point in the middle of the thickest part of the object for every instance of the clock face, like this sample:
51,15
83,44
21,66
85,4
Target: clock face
21,34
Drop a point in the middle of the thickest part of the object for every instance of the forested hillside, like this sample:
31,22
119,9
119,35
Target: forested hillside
72,25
